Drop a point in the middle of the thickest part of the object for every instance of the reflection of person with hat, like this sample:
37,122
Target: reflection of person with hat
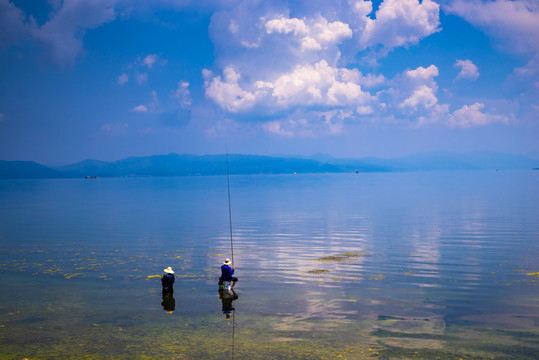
168,304
227,272
167,281
227,297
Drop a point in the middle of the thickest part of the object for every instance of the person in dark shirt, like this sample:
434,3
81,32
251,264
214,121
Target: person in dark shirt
167,281
227,272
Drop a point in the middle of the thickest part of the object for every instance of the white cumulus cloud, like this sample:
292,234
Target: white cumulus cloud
468,116
140,108
424,96
515,24
401,23
416,90
468,70
227,93
286,26
307,85
422,73
312,34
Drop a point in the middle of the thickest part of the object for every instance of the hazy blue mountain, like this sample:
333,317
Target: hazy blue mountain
179,165
91,168
27,170
174,164
439,160
345,164
456,161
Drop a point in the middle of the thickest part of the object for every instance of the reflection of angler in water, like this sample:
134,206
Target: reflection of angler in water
227,297
169,304
167,282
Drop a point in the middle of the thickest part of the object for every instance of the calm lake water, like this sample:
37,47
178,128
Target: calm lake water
426,265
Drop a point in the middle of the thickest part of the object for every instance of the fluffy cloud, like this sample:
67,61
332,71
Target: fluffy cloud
308,85
468,70
423,74
424,96
469,116
227,93
287,26
151,107
149,60
438,114
415,90
140,108
152,59
62,35
13,25
312,34
515,24
183,95
400,23
308,71
273,59
410,95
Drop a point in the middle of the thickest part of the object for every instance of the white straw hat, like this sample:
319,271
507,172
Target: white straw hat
169,270
227,261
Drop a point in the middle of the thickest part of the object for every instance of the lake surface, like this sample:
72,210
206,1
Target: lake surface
389,266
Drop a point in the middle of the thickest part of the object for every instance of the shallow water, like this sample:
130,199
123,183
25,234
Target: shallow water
389,266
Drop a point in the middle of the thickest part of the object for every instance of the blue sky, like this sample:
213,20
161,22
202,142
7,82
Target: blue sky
107,79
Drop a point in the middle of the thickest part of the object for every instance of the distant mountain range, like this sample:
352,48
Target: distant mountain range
183,165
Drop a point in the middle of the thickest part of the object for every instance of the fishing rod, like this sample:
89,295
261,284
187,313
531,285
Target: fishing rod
229,207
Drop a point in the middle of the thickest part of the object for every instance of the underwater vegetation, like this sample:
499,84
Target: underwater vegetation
84,303
346,256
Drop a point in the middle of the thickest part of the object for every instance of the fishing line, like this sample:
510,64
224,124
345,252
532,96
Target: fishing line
229,207
233,331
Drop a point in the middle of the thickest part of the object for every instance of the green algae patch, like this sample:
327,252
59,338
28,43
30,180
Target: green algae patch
344,257
318,271
377,277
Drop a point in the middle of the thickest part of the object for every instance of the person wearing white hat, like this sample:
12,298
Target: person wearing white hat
227,272
167,281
